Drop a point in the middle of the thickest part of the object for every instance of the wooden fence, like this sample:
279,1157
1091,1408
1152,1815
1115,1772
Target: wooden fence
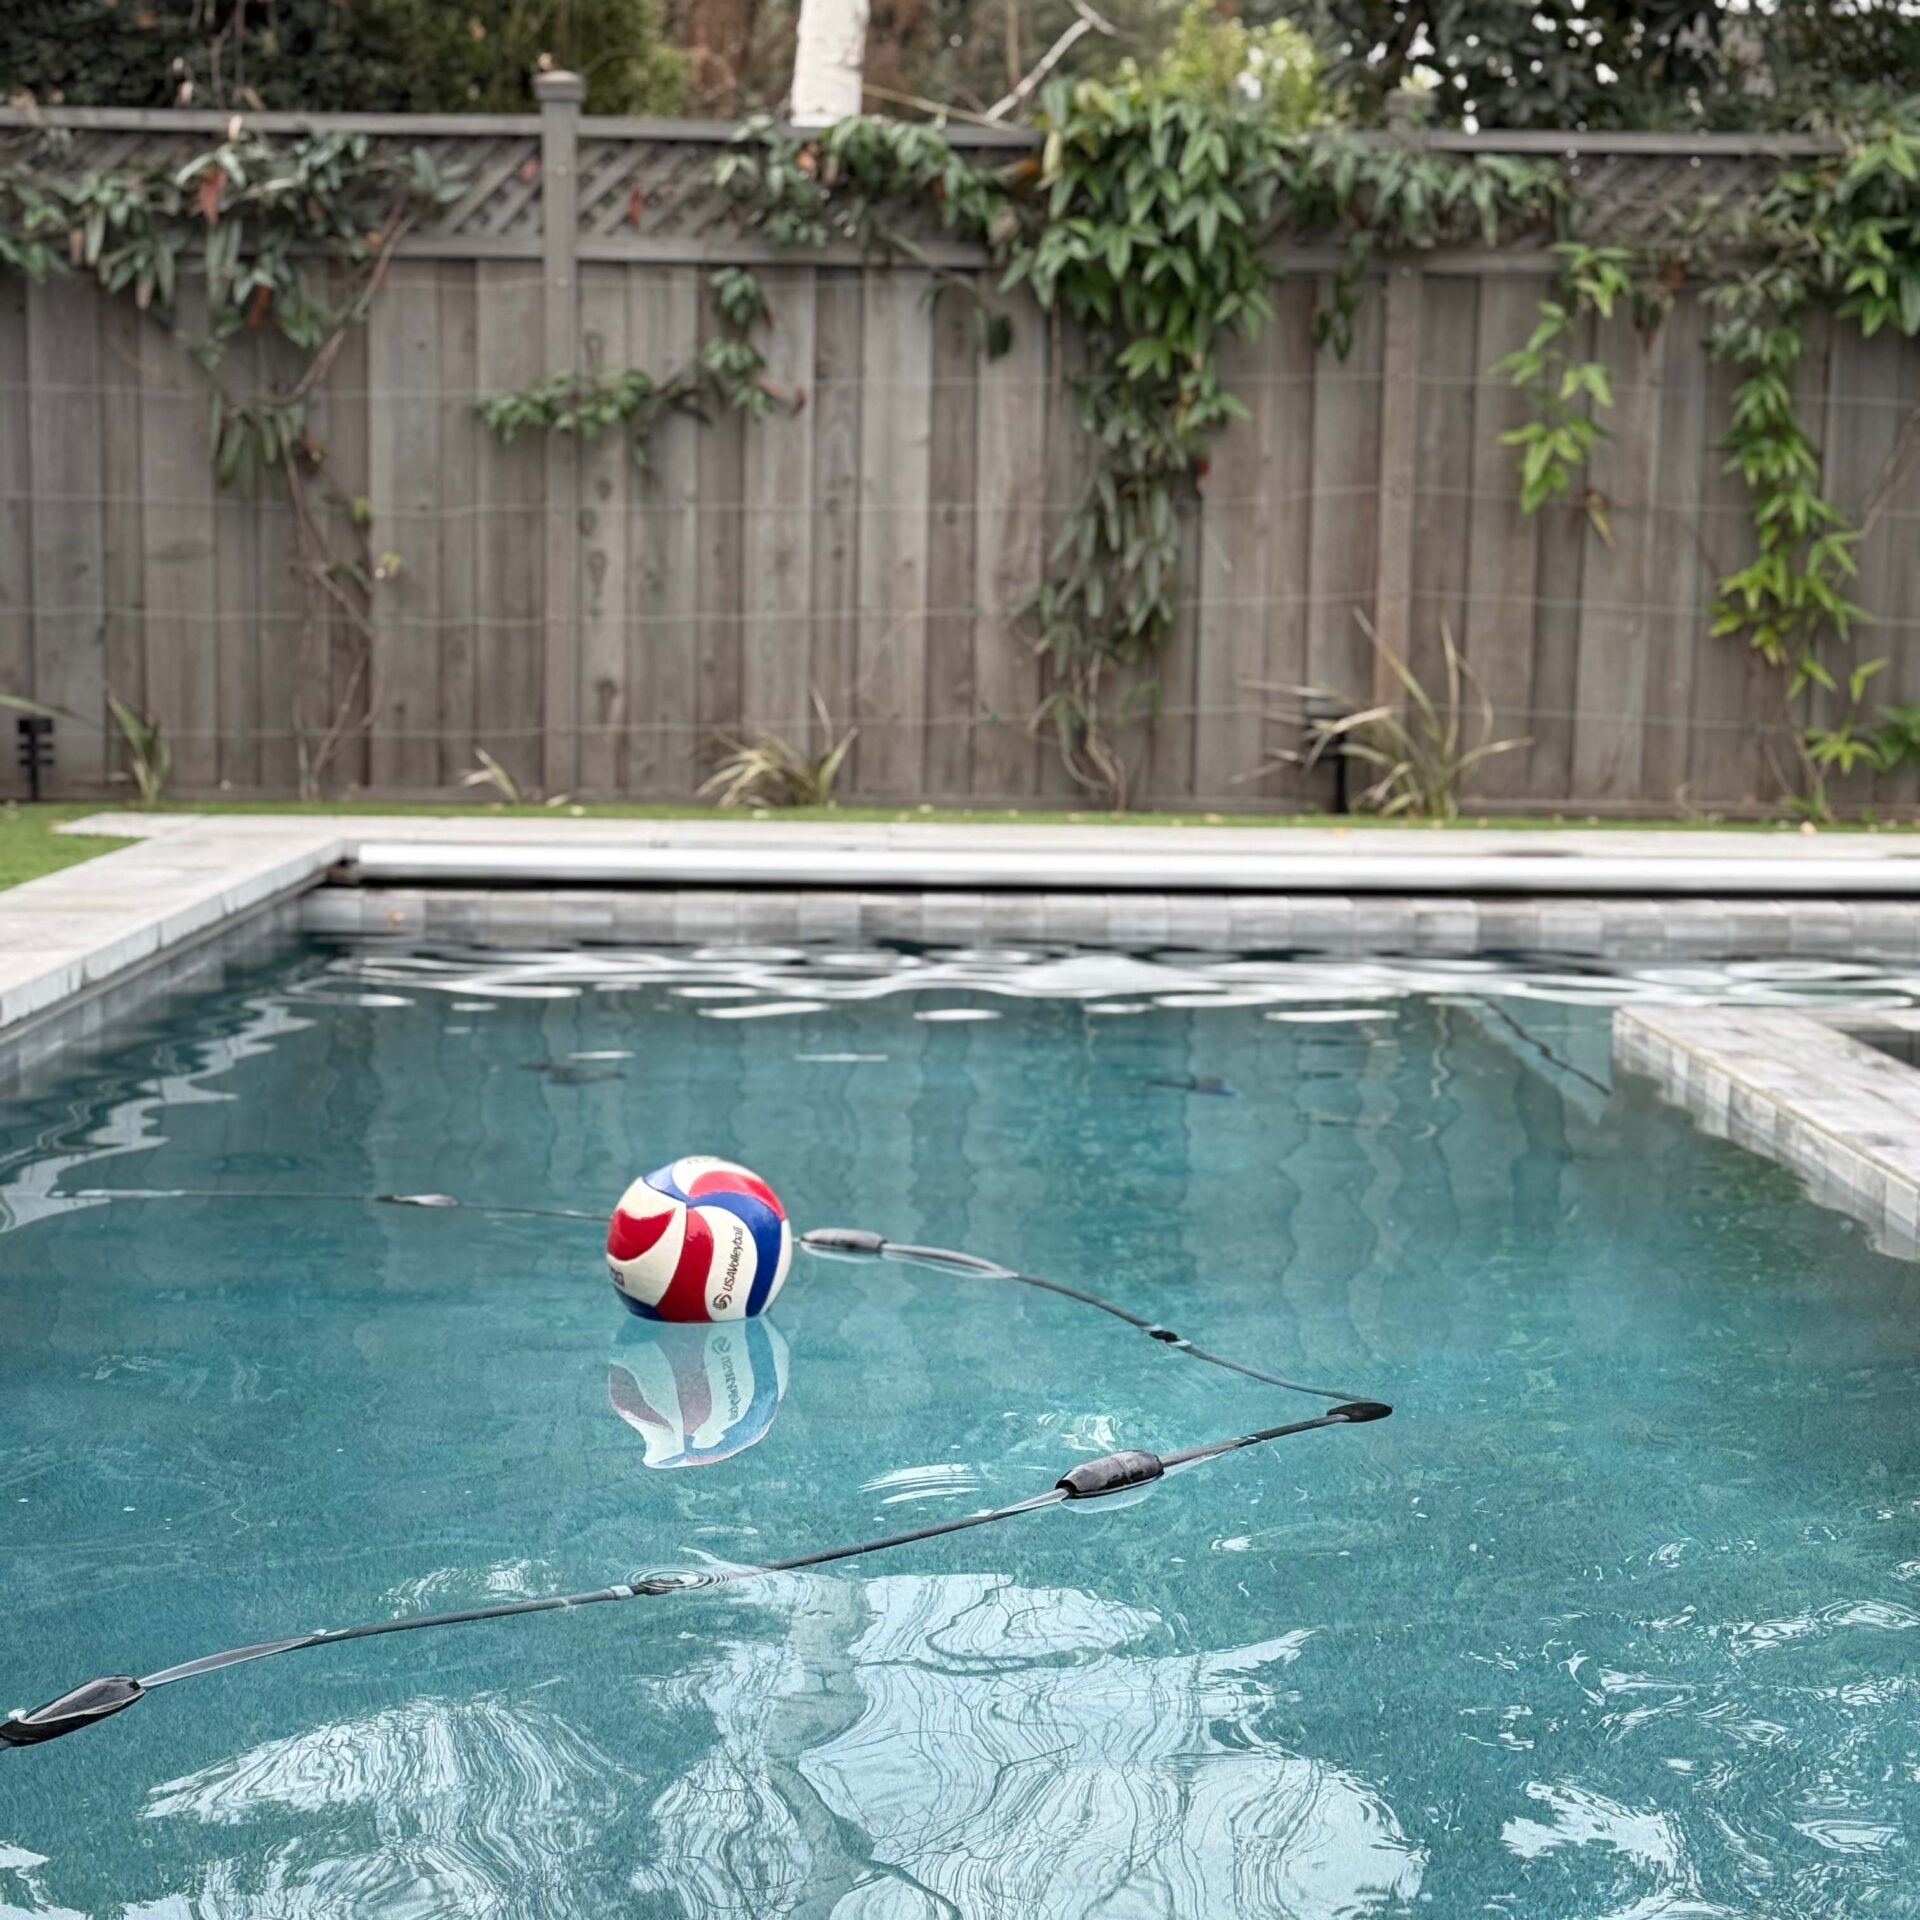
594,624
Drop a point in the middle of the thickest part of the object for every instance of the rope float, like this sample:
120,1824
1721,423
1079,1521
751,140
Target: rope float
1110,1473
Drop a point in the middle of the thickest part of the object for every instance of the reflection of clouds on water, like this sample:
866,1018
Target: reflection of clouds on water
1647,1843
106,1130
476,1809
20,1873
988,1750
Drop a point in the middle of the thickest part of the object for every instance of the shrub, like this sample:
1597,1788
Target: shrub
335,56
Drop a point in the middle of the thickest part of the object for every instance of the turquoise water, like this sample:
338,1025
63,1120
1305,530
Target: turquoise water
1613,1618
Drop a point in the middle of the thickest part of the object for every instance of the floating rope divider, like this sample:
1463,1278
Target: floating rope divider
1088,1480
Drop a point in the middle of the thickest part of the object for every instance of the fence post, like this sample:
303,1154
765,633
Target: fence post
560,95
1399,450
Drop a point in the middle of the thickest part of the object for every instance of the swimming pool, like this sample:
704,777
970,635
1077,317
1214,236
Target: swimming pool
1609,1619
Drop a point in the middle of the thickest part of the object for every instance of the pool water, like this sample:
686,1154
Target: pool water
1614,1617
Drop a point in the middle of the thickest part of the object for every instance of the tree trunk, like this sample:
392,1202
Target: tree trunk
827,61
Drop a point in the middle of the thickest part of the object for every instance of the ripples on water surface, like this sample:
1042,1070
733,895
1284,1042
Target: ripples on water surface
1614,1619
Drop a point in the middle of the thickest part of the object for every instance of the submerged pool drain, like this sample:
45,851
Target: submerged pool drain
1111,1473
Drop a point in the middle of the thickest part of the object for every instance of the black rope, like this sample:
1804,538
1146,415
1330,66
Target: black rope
830,1239
1089,1479
438,1202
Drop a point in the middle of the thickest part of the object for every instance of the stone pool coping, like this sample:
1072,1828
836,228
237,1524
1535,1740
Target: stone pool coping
1796,1090
1591,892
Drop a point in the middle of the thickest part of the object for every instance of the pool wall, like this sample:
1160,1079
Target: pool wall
1595,928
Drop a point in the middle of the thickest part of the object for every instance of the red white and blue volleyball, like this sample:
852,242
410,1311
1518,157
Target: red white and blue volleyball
698,1395
699,1239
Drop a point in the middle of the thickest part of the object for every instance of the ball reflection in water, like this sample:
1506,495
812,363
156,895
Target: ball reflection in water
697,1395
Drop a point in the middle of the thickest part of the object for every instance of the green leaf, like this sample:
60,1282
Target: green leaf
1858,678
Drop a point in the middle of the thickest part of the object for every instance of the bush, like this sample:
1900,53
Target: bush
1216,60
335,56
1617,63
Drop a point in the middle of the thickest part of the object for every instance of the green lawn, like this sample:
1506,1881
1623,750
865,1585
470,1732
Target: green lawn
997,816
29,846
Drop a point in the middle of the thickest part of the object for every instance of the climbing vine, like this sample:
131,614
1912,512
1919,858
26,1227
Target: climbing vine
1146,221
730,371
1563,388
290,238
1842,231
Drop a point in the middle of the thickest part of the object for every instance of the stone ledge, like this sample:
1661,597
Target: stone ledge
1436,925
1798,1091
105,922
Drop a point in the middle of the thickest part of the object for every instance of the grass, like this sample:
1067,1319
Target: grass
996,816
29,846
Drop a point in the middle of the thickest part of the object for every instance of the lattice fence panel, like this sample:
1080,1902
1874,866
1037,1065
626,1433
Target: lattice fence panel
1642,200
500,174
642,189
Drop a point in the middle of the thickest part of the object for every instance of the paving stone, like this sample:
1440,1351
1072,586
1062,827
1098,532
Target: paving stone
1796,1090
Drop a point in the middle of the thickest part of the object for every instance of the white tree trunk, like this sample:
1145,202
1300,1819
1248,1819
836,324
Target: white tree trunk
827,61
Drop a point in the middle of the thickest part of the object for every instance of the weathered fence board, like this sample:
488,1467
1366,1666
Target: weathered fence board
1896,526
777,523
1681,578
1285,533
953,448
1723,752
1010,536
177,527
1618,588
1871,416
124,641
1062,481
720,460
895,465
69,652
510,684
663,631
594,620
236,592
1502,546
606,466
1230,631
336,686
16,503
461,441
1448,453
831,631
403,364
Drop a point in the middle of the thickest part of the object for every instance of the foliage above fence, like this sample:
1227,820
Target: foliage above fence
323,56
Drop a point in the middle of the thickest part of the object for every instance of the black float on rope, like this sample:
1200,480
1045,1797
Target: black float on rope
1086,1480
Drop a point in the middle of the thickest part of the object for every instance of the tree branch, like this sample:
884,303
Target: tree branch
1088,22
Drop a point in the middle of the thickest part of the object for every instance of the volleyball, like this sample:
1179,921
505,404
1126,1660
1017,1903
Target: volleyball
697,1395
699,1239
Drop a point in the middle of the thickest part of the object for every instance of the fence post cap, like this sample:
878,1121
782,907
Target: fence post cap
558,85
